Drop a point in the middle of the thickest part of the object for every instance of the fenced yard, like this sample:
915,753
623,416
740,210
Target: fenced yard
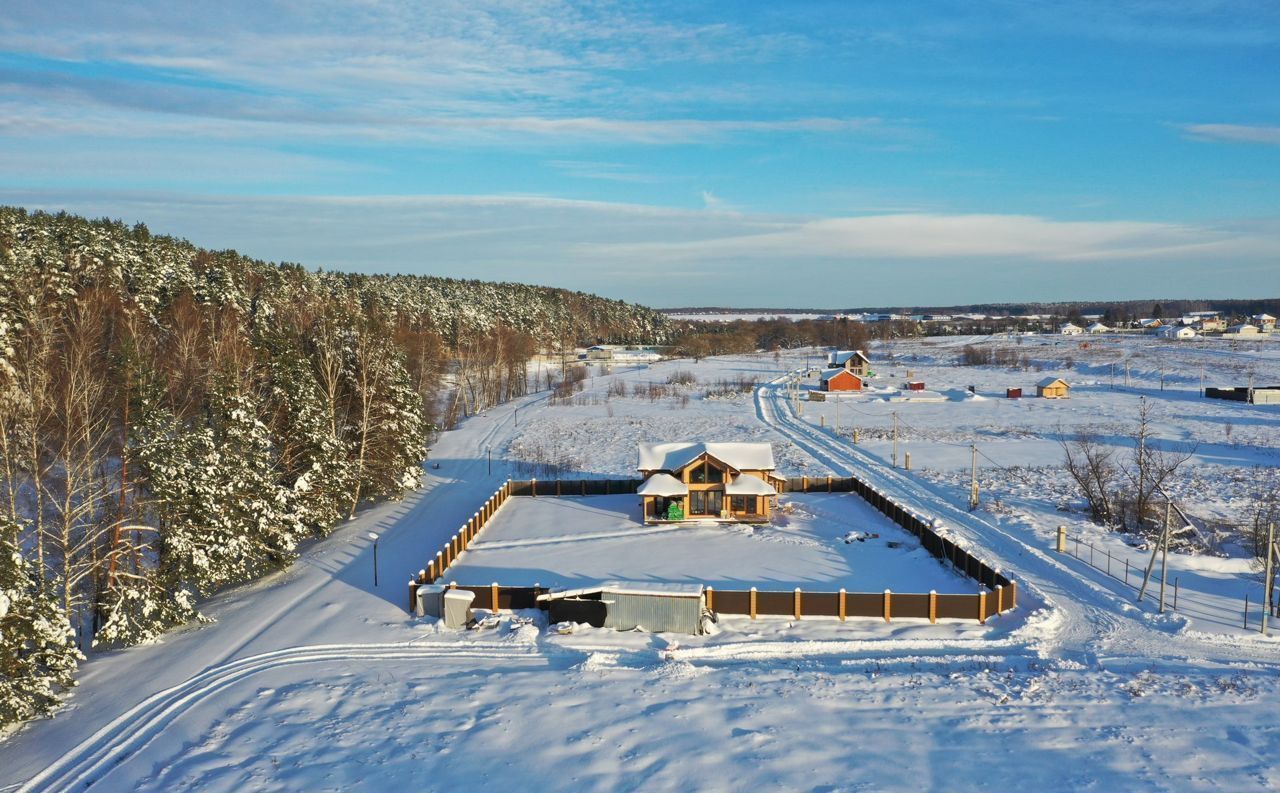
795,569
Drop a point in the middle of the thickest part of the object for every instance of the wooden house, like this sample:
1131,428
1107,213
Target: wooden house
1053,388
1265,322
855,361
732,482
1070,329
840,380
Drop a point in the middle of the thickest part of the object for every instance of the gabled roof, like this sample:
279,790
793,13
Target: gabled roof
748,485
1242,326
1048,381
662,485
674,456
827,374
1097,326
842,357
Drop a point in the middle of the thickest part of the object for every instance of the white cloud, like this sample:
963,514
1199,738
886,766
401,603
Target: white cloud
609,248
1233,133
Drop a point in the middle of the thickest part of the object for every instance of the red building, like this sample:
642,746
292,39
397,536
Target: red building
840,380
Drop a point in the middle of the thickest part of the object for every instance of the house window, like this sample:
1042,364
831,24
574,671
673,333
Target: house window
705,502
742,504
705,473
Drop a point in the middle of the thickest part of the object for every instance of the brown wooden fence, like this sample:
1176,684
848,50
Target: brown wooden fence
796,604
459,542
1003,594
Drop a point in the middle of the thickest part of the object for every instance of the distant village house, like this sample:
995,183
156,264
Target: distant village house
855,361
1053,388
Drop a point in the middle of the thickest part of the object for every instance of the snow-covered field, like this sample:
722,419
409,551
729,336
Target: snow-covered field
574,542
316,679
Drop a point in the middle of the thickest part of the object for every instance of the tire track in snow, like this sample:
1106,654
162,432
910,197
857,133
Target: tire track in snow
1098,621
133,730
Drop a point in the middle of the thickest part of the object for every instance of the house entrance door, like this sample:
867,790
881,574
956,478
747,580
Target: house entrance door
705,502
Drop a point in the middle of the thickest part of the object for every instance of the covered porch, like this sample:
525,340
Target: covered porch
743,499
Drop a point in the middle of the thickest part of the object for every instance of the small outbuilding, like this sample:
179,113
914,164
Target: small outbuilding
840,380
915,385
1097,327
1053,388
1070,329
654,607
1243,329
1013,393
1176,332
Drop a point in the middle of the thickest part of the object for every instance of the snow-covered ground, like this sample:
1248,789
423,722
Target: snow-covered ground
316,679
574,542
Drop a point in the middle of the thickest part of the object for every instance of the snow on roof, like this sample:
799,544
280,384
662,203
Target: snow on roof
1097,326
748,485
1264,317
1242,326
841,357
662,485
827,374
656,588
741,456
1048,381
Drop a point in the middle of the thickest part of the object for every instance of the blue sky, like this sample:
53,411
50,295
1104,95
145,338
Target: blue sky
747,154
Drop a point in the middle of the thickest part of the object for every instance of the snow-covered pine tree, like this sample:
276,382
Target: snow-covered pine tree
314,461
224,517
38,652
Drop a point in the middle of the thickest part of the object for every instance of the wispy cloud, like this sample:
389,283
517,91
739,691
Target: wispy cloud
610,247
1233,133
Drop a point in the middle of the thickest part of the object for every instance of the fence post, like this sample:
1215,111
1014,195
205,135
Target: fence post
828,483
753,602
982,607
493,597
804,484
439,566
797,603
842,609
533,488
999,598
711,599
558,487
888,609
1062,539
933,606
1013,594
907,461
431,571
413,595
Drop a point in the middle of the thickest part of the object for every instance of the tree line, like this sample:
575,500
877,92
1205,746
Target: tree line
174,421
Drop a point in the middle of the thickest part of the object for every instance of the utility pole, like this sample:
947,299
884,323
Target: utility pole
1164,551
973,477
1266,580
837,415
895,439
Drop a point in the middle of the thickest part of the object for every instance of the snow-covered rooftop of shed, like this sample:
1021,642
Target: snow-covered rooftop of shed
674,456
827,374
655,588
1048,381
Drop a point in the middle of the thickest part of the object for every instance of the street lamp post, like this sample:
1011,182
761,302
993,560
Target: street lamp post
488,450
374,537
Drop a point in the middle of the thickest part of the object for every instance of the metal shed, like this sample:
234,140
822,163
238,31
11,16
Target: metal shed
624,606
